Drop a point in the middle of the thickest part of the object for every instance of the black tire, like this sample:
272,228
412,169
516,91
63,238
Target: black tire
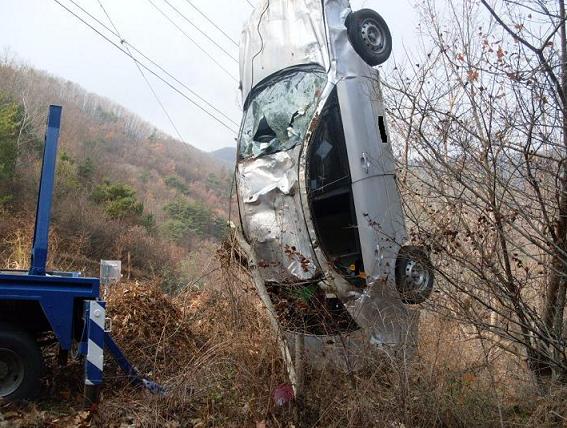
414,275
21,365
370,36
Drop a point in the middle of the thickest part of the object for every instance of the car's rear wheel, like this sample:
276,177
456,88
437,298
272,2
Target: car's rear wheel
414,275
21,364
370,36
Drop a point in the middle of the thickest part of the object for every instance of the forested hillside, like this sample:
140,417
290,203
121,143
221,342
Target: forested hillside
124,189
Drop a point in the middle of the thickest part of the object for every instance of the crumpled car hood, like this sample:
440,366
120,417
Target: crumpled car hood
272,218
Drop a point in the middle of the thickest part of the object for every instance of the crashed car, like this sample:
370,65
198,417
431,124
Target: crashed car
315,177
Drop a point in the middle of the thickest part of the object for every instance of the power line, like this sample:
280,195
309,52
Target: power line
250,3
212,58
157,75
124,42
143,75
167,73
212,22
155,64
201,31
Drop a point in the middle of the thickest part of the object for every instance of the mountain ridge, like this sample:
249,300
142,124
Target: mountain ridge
226,155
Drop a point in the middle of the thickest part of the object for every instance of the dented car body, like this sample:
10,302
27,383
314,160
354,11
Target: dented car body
317,192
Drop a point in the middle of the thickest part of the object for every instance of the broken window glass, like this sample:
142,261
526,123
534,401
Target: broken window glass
279,115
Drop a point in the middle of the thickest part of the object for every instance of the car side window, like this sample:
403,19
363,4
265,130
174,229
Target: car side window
328,158
330,194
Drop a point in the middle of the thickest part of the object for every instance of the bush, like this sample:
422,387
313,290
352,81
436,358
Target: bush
86,170
192,218
67,180
11,116
119,201
176,183
90,237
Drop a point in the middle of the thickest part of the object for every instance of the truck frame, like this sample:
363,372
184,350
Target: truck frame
36,302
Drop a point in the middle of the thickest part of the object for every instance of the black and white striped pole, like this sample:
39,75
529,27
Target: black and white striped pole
94,364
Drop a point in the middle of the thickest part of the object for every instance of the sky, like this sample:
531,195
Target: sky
42,34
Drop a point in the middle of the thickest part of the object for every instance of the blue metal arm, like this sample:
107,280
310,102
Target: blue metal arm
47,183
129,369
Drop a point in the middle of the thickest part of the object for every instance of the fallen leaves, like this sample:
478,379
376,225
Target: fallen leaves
31,416
150,326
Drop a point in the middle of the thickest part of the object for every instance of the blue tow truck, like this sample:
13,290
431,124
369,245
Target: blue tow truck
36,303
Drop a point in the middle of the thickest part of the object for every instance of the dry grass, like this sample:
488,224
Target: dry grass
219,370
226,373
214,352
220,365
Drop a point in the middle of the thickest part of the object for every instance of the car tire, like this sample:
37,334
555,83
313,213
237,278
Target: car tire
370,36
414,275
21,365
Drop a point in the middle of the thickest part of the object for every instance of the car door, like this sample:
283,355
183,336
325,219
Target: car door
375,193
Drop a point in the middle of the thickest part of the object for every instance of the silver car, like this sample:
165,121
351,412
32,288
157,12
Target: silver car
317,191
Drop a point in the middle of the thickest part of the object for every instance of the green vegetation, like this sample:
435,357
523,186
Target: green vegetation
86,170
186,219
219,185
67,174
119,201
177,183
16,139
11,117
145,177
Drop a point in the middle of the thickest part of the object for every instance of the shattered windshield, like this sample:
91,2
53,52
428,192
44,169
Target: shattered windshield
278,116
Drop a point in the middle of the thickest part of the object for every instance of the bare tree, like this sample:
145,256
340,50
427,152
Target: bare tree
483,115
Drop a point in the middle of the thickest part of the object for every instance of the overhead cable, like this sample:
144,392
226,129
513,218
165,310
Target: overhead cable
223,123
86,12
210,21
230,55
212,58
143,74
155,64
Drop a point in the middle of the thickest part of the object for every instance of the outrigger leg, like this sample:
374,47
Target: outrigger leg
99,338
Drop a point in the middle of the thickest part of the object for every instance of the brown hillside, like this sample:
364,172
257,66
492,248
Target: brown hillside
124,189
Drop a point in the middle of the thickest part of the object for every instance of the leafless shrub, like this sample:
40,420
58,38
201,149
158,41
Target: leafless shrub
482,115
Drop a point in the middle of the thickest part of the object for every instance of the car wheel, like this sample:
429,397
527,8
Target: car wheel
21,365
414,275
370,36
